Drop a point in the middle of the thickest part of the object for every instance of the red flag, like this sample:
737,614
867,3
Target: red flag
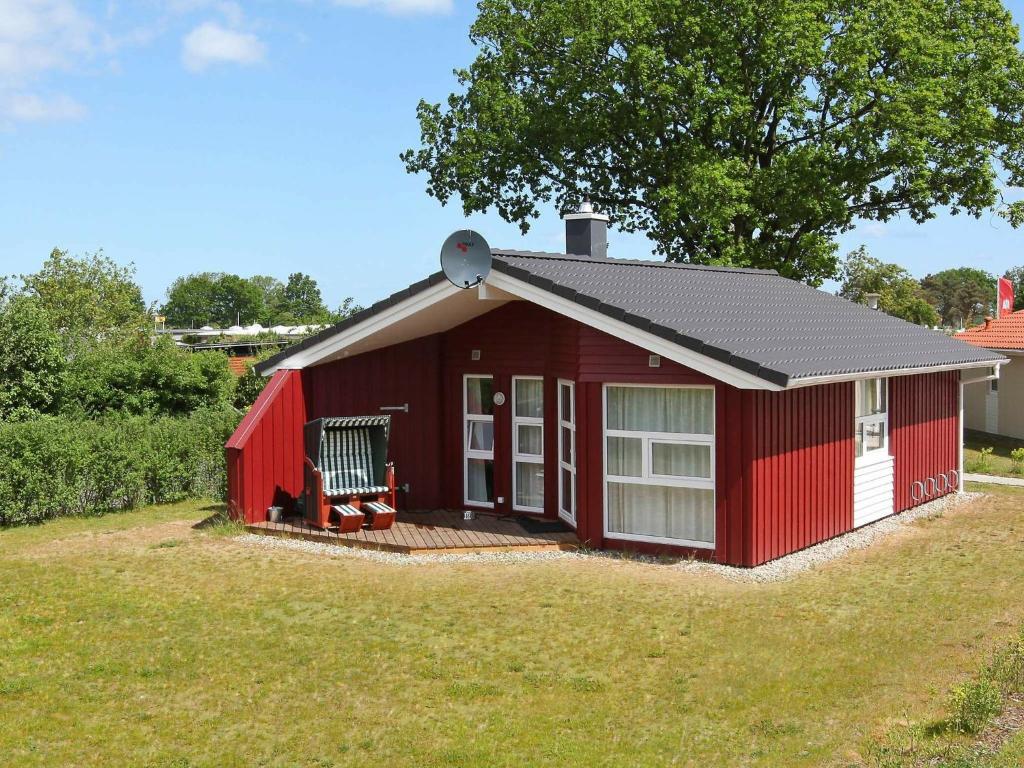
1004,297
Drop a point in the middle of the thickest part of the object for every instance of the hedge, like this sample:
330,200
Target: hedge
59,466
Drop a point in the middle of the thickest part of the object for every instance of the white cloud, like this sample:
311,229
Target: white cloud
401,6
28,107
210,43
41,35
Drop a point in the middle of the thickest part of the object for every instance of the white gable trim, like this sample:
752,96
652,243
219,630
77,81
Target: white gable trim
359,331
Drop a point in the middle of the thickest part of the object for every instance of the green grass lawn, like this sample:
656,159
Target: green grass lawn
996,463
136,640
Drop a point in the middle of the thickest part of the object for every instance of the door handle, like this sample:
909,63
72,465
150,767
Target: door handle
404,408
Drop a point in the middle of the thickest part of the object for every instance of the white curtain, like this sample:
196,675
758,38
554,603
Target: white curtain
662,511
479,396
681,459
530,398
529,484
661,409
531,439
625,456
479,480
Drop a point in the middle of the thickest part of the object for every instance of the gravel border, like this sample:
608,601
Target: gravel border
776,570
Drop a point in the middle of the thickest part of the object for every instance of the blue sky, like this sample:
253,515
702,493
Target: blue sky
263,137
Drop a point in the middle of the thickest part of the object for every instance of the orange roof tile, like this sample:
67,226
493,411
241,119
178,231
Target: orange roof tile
1005,333
240,363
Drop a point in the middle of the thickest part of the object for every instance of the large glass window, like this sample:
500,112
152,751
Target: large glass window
871,425
478,444
660,464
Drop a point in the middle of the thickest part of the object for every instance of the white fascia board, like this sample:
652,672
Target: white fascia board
644,339
812,381
368,327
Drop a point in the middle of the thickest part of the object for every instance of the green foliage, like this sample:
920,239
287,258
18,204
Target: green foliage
58,466
1017,460
250,383
1007,668
961,295
87,297
743,133
222,300
900,294
983,462
301,301
138,376
345,310
972,704
31,360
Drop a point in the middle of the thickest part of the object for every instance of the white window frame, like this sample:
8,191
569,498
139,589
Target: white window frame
467,453
875,454
647,477
526,458
569,515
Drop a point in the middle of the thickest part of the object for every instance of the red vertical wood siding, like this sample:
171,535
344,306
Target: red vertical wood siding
392,376
261,454
924,431
798,473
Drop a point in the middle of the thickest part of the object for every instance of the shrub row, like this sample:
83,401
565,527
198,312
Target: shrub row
59,466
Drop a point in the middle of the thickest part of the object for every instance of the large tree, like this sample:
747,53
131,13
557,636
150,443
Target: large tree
962,295
301,300
736,132
899,293
214,298
87,297
31,359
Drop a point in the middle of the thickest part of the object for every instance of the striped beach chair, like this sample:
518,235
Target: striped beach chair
348,480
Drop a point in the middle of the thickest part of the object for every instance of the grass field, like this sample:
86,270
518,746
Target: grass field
996,463
137,640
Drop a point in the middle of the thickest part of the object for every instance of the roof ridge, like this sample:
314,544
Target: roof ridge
584,259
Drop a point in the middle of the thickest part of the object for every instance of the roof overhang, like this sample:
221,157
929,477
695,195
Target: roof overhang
440,306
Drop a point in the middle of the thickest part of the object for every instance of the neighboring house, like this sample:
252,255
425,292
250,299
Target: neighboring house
995,406
728,413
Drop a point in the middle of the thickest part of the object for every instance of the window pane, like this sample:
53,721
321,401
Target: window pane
565,392
681,460
566,444
874,436
479,396
566,490
529,484
662,511
870,397
858,437
625,456
481,435
530,398
531,439
480,480
661,409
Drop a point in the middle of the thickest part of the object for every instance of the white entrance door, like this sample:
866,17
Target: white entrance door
567,451
478,440
528,443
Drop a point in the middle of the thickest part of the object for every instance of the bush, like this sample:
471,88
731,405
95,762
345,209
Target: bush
60,466
1017,460
972,704
984,461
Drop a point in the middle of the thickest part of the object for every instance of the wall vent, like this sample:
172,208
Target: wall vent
654,361
474,355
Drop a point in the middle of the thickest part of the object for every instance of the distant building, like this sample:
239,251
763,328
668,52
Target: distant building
995,406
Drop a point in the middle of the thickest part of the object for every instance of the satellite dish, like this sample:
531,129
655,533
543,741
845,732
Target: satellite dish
465,258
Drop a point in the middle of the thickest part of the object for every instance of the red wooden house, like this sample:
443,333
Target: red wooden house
730,413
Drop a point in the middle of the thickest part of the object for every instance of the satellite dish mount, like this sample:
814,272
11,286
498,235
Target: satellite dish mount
465,258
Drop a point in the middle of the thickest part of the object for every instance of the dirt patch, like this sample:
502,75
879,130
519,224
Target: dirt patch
125,540
1002,729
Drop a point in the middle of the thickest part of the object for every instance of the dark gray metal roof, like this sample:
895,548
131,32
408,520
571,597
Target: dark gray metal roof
774,328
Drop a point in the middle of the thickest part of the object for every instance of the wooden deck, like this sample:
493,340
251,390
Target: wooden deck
440,531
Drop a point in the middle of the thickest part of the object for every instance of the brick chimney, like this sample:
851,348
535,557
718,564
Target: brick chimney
988,322
586,232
